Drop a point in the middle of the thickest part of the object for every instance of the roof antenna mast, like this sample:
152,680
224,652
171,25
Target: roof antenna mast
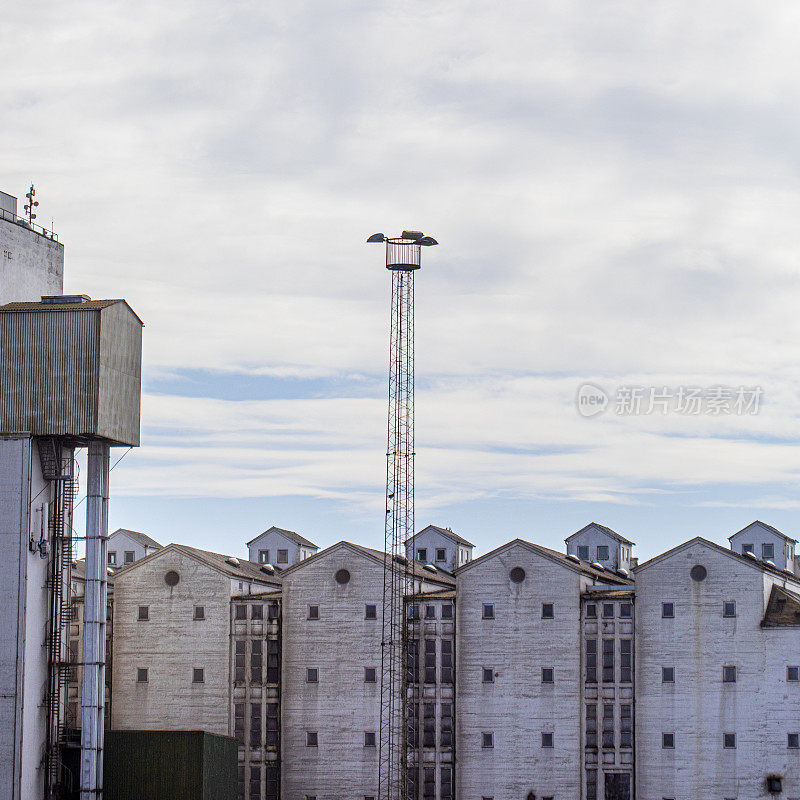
402,260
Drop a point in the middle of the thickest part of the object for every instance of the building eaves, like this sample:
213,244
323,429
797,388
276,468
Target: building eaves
445,532
602,575
764,525
292,535
142,538
755,563
603,528
783,609
88,305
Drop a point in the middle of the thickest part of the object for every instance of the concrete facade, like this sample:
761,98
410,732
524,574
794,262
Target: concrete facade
698,638
439,546
31,264
280,547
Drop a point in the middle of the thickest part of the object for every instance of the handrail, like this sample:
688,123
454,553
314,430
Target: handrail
31,226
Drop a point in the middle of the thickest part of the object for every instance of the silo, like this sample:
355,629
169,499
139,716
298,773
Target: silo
70,376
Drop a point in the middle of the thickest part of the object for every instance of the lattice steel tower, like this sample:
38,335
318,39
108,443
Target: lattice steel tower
402,260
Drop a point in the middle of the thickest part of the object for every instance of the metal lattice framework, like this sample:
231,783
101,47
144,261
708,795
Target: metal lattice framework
402,259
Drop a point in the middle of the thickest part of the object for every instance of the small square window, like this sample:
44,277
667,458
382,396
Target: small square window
729,608
767,551
793,674
369,738
312,739
487,739
257,611
668,741
422,554
130,556
547,739
729,674
608,611
312,675
198,675
313,612
793,741
583,552
548,611
602,552
199,612
748,548
283,556
430,612
263,556
626,610
370,675
141,675
144,613
547,675
668,610
447,611
370,611
488,675
729,741
591,611
441,554
488,610
667,674
112,558
240,612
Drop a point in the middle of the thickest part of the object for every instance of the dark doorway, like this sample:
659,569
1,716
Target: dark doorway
618,786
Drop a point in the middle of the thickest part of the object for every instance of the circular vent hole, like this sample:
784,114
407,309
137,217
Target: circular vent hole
172,578
342,576
698,572
517,575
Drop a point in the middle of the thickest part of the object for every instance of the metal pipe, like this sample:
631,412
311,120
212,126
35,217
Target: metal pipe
94,622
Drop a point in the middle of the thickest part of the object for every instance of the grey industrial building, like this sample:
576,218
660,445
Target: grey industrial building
529,673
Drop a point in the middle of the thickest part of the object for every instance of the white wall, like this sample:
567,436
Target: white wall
30,265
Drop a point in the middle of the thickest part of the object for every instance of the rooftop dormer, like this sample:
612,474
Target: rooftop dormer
439,546
596,543
766,544
280,547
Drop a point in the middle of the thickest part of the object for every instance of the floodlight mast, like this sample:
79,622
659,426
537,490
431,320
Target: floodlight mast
402,260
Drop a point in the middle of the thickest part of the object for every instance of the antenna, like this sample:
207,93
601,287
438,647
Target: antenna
402,260
31,204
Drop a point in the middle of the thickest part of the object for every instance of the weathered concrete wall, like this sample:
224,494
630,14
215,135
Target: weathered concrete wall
759,535
341,706
170,645
30,265
23,625
760,707
517,707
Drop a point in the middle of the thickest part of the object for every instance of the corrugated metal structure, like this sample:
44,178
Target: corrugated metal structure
71,367
170,765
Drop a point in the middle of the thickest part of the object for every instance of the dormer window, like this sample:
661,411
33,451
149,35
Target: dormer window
602,552
422,555
748,548
767,551
441,554
583,552
263,556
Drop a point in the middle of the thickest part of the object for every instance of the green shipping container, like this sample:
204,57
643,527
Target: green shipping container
169,765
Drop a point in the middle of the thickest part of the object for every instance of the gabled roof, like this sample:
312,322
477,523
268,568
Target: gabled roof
605,529
86,305
247,570
755,563
142,538
603,575
763,525
445,532
295,537
783,609
417,568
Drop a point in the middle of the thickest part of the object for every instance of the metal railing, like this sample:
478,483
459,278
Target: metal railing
31,226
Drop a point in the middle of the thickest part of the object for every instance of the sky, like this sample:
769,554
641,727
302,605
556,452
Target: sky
615,190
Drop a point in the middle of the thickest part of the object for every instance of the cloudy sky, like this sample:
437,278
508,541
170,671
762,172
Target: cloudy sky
615,190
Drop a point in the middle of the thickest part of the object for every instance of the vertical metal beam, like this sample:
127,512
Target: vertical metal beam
94,623
399,527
